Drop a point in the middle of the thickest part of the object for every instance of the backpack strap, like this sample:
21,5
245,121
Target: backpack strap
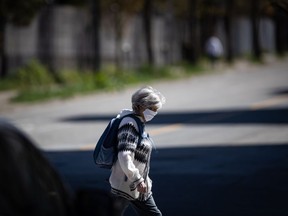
139,123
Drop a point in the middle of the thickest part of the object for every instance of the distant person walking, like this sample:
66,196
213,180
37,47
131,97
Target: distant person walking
129,177
214,49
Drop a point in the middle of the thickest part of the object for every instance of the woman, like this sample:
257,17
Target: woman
129,178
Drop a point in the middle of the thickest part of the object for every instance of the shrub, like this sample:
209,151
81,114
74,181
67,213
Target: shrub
34,75
34,82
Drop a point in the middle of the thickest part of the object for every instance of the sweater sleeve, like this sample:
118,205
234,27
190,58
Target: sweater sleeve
127,143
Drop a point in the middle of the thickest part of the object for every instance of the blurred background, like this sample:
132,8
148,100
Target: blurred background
55,43
222,137
89,34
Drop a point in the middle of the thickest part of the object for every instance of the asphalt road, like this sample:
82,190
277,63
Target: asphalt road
222,140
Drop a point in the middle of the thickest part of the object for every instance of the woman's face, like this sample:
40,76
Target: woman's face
153,108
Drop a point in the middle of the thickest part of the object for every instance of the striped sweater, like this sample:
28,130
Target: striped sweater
132,166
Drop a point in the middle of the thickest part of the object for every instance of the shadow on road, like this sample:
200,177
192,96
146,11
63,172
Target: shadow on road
203,181
280,91
242,180
238,116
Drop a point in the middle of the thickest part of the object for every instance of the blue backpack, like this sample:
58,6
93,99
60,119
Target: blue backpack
105,152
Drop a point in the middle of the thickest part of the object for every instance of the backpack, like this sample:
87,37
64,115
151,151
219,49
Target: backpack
105,152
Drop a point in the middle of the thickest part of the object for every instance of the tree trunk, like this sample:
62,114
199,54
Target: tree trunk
255,29
96,38
281,32
117,19
3,59
286,32
45,41
228,24
118,41
195,43
279,35
147,13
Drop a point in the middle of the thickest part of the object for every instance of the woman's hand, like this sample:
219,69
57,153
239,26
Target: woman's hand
142,188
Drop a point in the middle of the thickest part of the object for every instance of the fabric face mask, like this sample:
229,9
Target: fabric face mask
149,114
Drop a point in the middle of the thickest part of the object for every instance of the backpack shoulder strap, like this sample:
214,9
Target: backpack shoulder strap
140,124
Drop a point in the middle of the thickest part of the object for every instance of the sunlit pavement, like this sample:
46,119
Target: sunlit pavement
222,141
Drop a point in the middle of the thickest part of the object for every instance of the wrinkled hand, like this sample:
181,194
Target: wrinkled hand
142,188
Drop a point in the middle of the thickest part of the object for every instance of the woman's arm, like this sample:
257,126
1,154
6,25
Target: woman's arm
127,143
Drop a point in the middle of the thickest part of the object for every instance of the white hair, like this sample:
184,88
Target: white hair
147,97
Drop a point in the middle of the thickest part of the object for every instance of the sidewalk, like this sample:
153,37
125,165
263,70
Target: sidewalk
238,66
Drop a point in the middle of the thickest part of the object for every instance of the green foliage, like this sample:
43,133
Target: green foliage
34,82
34,75
155,72
193,69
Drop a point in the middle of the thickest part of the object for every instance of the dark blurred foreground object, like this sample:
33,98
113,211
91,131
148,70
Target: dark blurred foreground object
29,185
97,202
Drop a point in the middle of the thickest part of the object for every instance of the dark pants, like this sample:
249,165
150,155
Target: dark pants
143,208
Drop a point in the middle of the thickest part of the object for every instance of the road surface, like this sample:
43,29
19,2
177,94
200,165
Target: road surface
222,140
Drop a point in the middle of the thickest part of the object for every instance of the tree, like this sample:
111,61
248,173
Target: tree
201,17
120,11
195,28
17,12
147,14
255,16
96,38
280,14
93,7
229,4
